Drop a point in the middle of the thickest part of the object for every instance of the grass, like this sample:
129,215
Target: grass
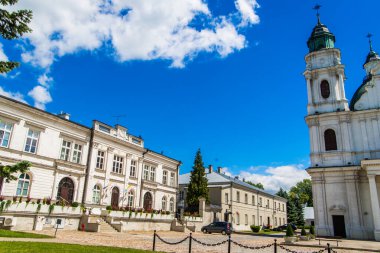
267,233
17,234
38,247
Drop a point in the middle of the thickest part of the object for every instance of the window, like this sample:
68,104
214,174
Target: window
77,153
5,133
238,196
146,172
330,140
325,89
246,219
253,200
261,221
117,166
171,207
260,201
274,205
131,198
152,173
172,179
253,220
100,160
226,197
275,221
237,218
165,177
32,141
283,220
65,151
164,203
267,203
132,172
23,185
283,207
181,195
104,129
96,194
246,198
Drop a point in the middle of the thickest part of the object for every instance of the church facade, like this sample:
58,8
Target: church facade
344,141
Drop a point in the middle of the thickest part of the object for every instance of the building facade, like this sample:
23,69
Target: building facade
240,203
98,166
344,141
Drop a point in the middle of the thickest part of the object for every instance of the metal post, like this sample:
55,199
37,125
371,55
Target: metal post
328,248
275,245
190,239
154,240
229,243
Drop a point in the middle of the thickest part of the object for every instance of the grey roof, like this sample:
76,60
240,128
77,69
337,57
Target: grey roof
219,178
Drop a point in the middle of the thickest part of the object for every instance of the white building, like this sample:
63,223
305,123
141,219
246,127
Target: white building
344,142
97,166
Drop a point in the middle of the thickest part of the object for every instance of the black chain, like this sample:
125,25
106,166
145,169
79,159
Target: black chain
293,251
209,244
334,251
172,243
250,247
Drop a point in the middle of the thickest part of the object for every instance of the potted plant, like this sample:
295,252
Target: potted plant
304,236
290,238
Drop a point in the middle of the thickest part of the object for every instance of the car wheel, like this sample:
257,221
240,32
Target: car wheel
223,232
204,231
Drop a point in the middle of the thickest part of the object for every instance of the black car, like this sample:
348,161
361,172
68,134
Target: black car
218,227
283,227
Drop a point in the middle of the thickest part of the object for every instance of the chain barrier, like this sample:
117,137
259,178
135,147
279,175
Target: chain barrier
172,243
293,251
209,244
252,247
334,251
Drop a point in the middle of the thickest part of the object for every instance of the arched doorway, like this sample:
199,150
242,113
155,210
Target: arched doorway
148,201
66,190
115,197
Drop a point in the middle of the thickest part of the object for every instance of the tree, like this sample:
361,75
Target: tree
282,193
198,183
258,185
303,191
12,26
7,171
294,207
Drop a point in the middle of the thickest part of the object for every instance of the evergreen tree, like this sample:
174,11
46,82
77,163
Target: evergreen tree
292,212
282,193
7,171
258,185
198,183
12,26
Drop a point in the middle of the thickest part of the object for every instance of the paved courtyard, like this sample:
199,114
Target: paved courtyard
143,240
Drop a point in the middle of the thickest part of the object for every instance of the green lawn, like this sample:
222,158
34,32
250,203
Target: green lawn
16,234
39,247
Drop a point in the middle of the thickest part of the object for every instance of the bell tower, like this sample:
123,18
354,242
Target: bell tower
324,72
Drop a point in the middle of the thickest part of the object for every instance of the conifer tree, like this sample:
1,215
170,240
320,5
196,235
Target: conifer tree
198,183
12,26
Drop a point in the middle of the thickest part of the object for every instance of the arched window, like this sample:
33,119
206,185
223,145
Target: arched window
131,197
164,203
66,190
325,89
330,140
115,197
171,205
23,185
237,218
148,201
96,194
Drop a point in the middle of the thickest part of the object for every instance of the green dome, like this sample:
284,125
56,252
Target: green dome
320,38
372,56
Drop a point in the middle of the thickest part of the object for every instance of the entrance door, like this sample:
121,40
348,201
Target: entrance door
115,197
148,201
339,226
66,190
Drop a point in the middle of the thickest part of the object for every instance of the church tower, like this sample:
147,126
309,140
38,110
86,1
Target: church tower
324,73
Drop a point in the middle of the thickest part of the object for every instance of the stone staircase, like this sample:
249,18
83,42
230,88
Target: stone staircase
106,227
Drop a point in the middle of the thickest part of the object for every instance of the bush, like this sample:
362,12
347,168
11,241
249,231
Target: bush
267,230
289,231
109,208
255,229
75,204
312,231
303,232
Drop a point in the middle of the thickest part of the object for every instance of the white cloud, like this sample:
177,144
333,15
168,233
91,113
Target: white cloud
14,95
274,178
45,80
3,56
137,30
247,11
41,96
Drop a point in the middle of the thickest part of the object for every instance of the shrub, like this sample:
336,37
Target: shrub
48,201
28,199
20,199
51,208
14,198
289,231
38,201
255,229
303,232
1,198
109,208
267,230
74,204
312,231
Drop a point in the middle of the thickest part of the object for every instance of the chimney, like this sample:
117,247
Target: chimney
220,170
210,168
64,115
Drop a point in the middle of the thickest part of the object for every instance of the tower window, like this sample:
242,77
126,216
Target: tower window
325,89
330,140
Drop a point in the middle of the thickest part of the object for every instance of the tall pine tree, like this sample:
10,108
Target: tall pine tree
12,26
198,183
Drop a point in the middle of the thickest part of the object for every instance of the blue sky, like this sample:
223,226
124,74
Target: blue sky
238,94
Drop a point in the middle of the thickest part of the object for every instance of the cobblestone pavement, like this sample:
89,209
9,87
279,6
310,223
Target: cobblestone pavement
143,240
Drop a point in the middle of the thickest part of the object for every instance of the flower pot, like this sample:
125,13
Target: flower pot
304,238
290,239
